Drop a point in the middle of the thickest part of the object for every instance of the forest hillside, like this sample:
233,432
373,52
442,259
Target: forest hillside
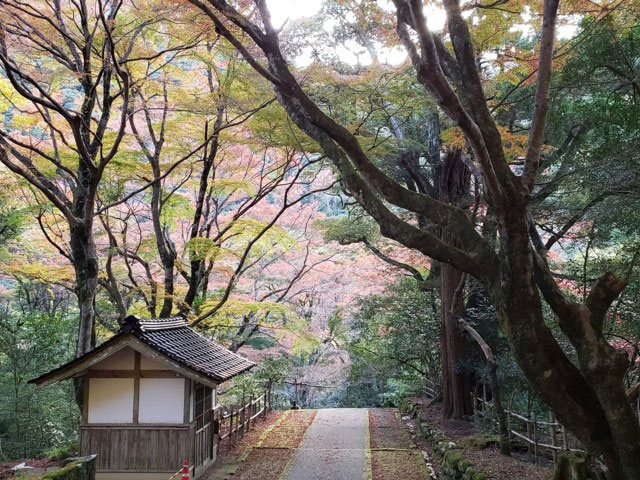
377,202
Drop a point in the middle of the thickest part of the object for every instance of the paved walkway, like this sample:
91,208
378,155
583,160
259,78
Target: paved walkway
334,446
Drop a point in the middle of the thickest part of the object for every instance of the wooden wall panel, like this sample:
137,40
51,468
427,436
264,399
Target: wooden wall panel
136,448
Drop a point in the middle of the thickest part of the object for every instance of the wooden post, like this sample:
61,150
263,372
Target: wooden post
509,424
242,417
212,433
535,438
529,434
217,416
474,404
264,404
238,421
248,413
565,440
231,428
554,435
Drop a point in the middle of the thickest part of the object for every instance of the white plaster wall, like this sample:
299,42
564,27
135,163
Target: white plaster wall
161,400
121,360
110,400
147,363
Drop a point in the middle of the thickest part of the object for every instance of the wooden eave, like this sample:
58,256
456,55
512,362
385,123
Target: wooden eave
78,367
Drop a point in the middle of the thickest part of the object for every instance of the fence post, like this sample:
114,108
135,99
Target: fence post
535,438
231,428
485,410
238,422
554,436
264,405
474,405
529,434
509,425
215,432
565,440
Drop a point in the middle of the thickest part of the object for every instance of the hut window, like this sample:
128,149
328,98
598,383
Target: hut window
203,405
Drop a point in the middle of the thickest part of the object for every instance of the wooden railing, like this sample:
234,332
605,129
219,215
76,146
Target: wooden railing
431,388
540,436
227,425
234,422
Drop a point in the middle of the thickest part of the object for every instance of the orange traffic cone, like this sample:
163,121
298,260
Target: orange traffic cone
185,469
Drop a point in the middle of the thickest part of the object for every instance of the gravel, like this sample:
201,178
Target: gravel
333,447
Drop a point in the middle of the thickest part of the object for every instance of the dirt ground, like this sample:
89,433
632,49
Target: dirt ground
488,460
394,455
308,444
6,471
231,457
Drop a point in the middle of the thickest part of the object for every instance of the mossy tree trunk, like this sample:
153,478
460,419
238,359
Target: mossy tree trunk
456,350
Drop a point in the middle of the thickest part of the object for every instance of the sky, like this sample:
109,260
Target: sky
283,10
292,9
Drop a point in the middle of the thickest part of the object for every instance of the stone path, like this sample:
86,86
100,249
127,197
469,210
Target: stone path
333,444
334,447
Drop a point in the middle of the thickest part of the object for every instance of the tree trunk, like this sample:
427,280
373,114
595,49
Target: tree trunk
457,378
85,262
165,247
198,270
589,400
492,373
503,428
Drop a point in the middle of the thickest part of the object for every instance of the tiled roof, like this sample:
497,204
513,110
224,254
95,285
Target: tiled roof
174,338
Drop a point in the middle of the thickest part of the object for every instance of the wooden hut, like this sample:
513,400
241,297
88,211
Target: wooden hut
149,398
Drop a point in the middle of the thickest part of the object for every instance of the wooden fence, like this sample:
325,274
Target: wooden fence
540,436
228,424
431,388
233,423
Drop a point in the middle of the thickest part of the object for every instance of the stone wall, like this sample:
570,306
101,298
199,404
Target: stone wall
454,465
77,468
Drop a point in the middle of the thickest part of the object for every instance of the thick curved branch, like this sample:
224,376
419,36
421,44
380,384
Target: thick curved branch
307,116
404,266
543,78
